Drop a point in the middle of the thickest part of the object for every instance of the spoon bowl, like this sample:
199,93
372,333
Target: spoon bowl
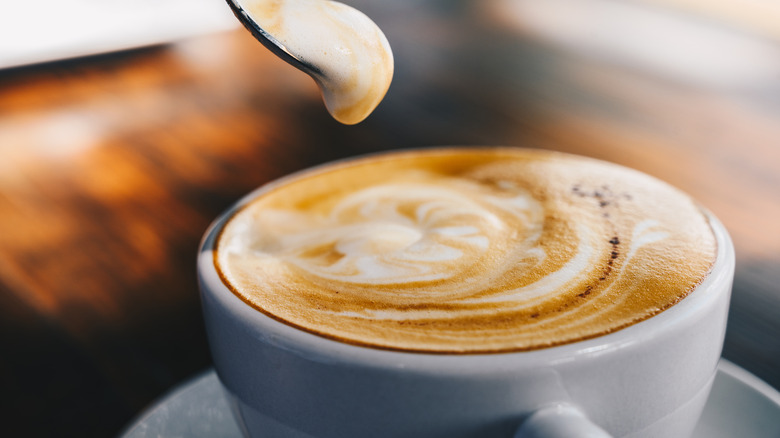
345,52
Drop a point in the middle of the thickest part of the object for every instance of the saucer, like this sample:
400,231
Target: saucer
740,405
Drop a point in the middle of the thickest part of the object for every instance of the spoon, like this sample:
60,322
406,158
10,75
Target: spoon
345,53
269,41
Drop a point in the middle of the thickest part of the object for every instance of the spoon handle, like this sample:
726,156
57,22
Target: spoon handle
268,40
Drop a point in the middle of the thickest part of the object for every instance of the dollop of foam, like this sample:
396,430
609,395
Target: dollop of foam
350,51
466,250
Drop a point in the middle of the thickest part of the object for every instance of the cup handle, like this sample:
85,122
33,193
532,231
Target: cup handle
559,421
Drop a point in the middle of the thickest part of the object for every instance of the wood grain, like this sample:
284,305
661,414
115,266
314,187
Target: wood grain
112,168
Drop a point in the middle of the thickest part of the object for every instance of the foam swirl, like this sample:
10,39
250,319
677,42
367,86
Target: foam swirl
466,250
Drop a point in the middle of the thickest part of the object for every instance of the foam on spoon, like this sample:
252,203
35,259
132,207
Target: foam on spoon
351,53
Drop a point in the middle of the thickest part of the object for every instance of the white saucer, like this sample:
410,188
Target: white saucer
740,405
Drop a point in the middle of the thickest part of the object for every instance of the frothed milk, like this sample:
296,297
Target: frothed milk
466,250
352,55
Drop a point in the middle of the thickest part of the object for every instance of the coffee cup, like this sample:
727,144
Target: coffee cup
432,374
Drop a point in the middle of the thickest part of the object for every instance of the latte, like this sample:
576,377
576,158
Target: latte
465,250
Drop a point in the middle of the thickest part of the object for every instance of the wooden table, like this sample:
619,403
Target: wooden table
112,167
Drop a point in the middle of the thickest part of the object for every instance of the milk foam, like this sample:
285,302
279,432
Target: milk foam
350,51
466,251
377,243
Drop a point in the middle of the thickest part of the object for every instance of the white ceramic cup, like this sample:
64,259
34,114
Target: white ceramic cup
650,379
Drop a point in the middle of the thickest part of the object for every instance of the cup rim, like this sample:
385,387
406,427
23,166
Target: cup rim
319,348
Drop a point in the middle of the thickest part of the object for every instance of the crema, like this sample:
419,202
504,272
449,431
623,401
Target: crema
465,250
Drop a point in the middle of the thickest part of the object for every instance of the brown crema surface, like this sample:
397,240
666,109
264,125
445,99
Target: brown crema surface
466,250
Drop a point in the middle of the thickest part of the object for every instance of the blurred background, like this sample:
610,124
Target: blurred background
126,127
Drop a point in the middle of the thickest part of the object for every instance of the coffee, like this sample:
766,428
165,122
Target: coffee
352,55
465,250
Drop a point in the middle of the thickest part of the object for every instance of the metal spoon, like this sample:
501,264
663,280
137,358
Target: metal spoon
269,41
345,52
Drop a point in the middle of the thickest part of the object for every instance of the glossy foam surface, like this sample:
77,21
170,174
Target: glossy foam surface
350,51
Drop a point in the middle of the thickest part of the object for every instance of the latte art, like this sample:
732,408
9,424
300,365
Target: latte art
394,233
466,251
